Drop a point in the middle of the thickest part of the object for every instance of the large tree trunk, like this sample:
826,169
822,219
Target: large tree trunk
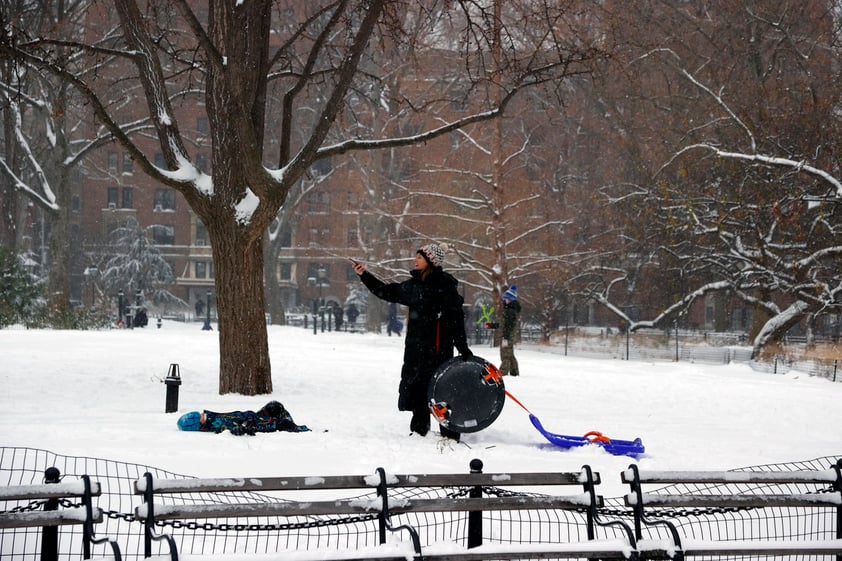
59,280
775,328
244,347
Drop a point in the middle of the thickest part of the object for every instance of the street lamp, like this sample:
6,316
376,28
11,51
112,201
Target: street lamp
311,281
90,274
207,326
322,274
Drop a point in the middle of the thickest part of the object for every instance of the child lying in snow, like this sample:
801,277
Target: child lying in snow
272,417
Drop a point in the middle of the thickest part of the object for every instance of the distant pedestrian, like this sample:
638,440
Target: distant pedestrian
393,324
352,314
511,311
435,325
337,316
141,319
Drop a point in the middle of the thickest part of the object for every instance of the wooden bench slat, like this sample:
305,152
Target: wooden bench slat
731,477
359,482
727,501
402,551
61,517
763,547
47,491
359,507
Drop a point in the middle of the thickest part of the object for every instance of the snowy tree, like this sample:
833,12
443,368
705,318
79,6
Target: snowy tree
18,292
744,201
45,139
136,264
236,52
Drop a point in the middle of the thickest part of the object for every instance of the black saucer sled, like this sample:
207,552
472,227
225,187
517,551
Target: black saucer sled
466,395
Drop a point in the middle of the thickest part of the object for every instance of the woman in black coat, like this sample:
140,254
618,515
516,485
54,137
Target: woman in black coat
435,325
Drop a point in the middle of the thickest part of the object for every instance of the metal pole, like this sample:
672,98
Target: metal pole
321,306
49,534
475,516
628,336
566,331
676,340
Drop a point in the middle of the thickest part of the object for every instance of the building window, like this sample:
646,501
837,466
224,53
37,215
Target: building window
201,233
318,202
76,203
352,240
321,168
202,126
113,162
164,199
286,236
160,161
202,162
112,195
353,200
128,164
163,234
285,271
313,273
128,197
200,269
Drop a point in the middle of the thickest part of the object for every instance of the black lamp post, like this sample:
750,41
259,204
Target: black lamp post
120,305
311,281
207,326
322,275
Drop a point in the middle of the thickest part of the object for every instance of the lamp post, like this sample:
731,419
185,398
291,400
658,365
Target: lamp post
207,326
120,306
311,281
322,274
90,279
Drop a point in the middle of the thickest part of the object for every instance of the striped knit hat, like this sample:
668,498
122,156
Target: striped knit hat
433,253
511,294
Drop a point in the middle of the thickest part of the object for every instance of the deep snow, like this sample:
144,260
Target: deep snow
100,394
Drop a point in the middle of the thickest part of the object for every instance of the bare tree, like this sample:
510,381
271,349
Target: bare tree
236,50
745,203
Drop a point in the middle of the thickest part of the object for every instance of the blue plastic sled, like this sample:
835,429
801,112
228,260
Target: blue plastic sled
612,446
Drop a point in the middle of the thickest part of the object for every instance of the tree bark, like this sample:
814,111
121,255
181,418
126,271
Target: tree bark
244,365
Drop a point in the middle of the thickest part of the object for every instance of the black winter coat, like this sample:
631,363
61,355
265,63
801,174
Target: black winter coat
435,325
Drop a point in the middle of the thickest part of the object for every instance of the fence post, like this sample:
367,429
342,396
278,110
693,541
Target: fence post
628,335
475,516
49,534
835,368
149,523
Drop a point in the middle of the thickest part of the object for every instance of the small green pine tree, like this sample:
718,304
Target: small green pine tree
18,293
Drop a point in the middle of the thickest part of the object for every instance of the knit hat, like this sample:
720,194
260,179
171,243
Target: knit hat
511,294
190,421
433,253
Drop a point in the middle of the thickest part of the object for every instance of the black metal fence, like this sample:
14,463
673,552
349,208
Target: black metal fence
26,466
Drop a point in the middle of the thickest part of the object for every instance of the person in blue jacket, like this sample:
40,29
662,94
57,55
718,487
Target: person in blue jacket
270,418
435,325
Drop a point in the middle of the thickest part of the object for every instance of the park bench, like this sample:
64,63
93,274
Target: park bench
48,506
717,492
381,505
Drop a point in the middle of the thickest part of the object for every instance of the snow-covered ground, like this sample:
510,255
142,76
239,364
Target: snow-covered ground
100,394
